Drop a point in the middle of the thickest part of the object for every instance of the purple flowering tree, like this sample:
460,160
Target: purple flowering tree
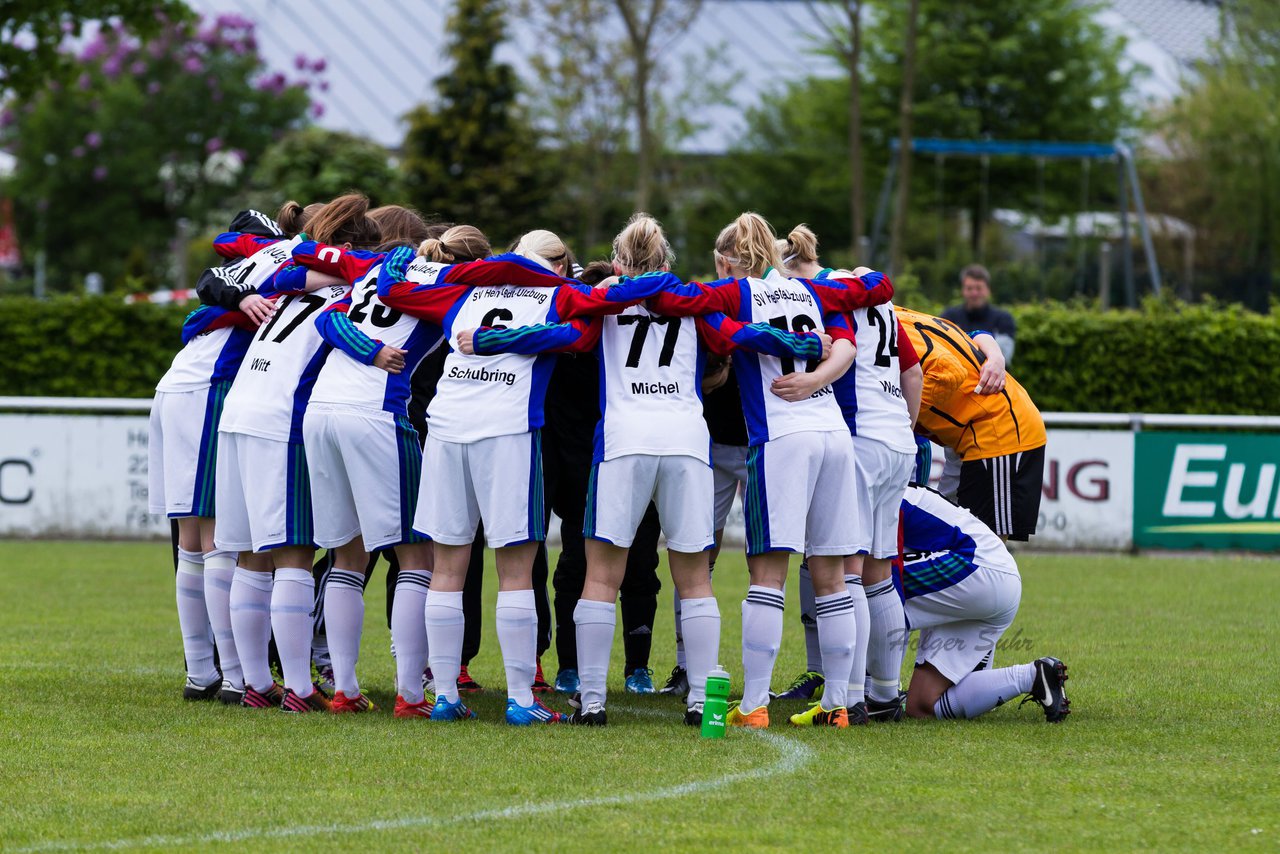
143,133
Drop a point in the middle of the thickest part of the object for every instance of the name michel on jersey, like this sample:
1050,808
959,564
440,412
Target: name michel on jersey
777,295
483,375
539,295
655,388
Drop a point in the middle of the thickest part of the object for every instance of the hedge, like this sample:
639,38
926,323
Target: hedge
1165,357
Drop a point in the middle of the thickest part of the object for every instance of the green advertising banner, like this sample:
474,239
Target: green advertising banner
1206,490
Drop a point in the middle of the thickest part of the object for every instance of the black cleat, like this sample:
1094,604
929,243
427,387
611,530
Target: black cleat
1047,689
592,715
885,713
858,714
195,691
229,694
693,715
677,683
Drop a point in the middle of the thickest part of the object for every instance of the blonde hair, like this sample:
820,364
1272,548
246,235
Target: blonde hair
800,245
642,246
459,243
749,243
545,245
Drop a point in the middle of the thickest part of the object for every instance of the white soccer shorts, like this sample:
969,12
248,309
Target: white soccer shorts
728,469
365,466
800,494
621,489
960,625
183,451
497,480
264,494
881,475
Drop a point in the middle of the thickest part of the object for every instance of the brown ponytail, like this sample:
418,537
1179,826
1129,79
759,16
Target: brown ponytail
346,220
749,243
459,243
400,226
595,272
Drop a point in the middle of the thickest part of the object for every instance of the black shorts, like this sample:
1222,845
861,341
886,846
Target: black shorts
1004,492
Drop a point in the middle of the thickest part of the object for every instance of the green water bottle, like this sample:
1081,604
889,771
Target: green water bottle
716,707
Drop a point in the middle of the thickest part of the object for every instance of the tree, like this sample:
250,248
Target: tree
315,165
34,34
474,156
1223,174
148,134
845,39
905,102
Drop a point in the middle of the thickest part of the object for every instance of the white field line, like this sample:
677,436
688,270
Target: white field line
792,756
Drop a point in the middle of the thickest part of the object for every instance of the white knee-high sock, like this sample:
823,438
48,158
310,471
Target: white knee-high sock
888,641
193,618
861,638
808,619
676,606
293,600
409,632
836,632
517,621
702,639
344,623
219,571
983,690
761,637
250,607
594,623
445,626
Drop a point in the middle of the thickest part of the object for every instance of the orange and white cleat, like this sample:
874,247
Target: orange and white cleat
344,705
755,719
405,709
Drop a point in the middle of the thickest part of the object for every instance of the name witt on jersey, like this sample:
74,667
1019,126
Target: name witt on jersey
655,388
260,364
539,295
483,375
777,295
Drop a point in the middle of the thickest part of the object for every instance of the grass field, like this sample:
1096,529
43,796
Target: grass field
1173,741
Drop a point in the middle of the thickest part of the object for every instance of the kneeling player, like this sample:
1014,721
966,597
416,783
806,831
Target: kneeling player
962,591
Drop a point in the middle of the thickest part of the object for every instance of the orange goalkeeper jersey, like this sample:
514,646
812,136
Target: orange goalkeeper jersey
976,426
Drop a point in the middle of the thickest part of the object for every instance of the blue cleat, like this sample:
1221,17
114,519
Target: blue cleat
641,681
446,711
804,687
518,715
567,681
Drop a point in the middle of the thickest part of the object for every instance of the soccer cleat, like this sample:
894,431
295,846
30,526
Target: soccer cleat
818,716
890,712
677,683
567,681
1047,689
757,719
405,709
325,682
428,682
858,714
316,701
193,690
641,681
540,684
804,687
344,705
518,715
446,711
230,694
255,699
592,715
467,685
693,715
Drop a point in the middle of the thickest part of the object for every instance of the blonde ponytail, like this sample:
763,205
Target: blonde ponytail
749,243
544,245
457,244
799,247
642,246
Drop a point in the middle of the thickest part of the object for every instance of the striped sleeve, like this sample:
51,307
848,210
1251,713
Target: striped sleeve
723,334
338,330
845,293
577,336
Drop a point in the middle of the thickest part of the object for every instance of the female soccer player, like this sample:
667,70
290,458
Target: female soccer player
800,467
484,439
962,591
264,496
880,398
183,444
651,445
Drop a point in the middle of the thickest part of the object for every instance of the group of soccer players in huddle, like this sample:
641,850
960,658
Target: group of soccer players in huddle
283,426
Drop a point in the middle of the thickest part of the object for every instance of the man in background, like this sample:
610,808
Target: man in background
977,314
